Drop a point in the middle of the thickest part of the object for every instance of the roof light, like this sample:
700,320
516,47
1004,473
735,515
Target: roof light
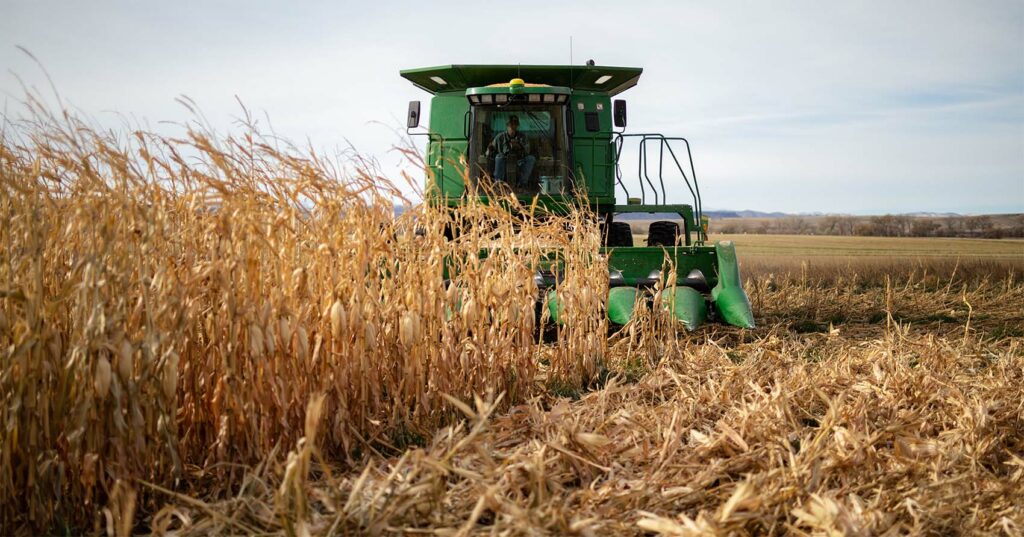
602,79
549,98
501,98
487,99
439,80
534,97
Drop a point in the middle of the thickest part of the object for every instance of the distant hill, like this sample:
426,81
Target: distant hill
932,215
745,213
726,213
712,213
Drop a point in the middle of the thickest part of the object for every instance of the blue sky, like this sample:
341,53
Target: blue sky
860,107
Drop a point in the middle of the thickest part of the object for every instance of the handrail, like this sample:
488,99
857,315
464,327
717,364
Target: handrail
664,142
654,191
617,142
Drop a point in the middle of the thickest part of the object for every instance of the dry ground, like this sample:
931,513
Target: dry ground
863,405
905,247
801,247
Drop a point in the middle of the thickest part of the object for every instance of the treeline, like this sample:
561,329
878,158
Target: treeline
984,226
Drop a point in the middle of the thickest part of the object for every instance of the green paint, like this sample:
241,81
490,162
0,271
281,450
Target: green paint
621,303
730,300
687,306
447,146
637,262
555,308
593,155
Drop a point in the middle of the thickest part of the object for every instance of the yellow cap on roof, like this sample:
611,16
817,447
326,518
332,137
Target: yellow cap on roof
516,85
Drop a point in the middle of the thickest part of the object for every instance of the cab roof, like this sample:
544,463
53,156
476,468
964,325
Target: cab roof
597,78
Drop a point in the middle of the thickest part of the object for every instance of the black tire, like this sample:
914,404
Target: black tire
619,234
663,233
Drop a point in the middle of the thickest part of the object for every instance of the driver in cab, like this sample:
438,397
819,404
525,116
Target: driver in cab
512,145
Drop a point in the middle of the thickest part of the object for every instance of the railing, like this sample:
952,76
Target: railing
644,167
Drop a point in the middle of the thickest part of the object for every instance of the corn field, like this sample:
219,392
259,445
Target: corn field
226,334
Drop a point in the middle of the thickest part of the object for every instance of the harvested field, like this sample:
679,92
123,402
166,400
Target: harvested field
905,247
828,260
855,427
213,335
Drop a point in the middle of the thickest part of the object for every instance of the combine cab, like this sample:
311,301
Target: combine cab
565,135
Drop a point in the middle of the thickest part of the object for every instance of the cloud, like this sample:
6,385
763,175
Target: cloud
789,106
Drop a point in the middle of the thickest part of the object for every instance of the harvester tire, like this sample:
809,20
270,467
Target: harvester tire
619,234
663,233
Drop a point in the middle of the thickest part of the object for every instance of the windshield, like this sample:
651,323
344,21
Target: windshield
520,148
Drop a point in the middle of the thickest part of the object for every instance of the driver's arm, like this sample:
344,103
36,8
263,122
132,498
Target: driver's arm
492,147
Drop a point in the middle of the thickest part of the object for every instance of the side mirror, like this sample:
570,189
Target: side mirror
619,112
413,119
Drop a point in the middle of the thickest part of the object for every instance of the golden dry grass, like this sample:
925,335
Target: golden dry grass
169,307
215,335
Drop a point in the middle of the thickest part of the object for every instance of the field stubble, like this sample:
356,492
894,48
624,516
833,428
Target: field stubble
210,335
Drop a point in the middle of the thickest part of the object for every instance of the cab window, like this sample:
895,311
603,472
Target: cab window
533,155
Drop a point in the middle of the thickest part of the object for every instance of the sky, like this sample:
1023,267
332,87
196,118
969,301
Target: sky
838,107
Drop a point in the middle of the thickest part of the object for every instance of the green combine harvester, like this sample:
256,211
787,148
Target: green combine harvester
545,133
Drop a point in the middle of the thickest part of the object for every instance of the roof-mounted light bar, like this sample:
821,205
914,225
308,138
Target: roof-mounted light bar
531,98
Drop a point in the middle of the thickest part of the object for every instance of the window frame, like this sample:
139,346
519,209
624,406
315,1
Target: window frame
557,111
